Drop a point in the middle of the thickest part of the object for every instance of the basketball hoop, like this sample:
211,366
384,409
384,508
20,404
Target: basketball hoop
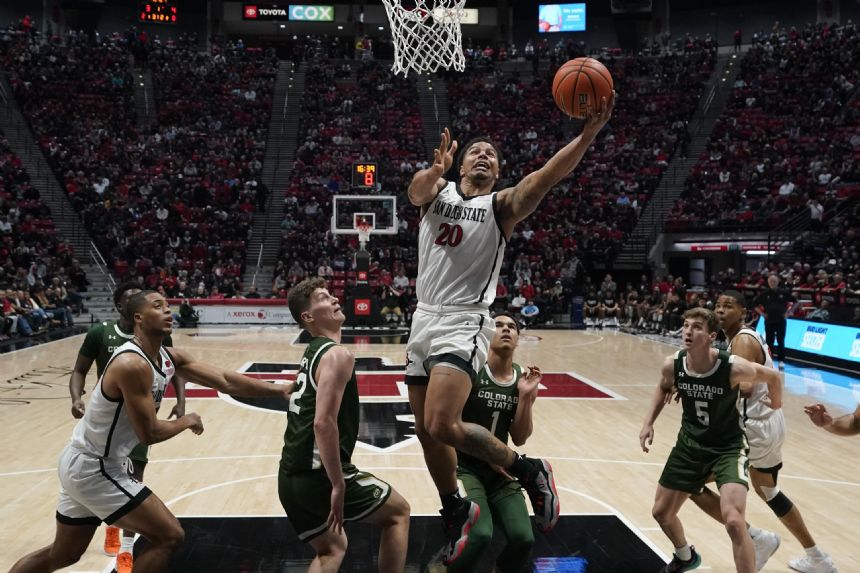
364,230
426,37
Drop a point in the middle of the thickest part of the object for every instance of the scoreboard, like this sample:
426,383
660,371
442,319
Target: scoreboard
158,12
364,174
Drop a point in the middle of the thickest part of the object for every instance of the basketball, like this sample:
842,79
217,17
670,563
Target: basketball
581,84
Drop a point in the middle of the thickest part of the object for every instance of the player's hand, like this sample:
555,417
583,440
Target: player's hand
196,423
672,394
529,382
819,415
443,156
335,516
288,389
597,118
178,411
646,437
78,408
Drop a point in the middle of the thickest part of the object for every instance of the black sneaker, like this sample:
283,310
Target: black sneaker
458,523
540,486
677,566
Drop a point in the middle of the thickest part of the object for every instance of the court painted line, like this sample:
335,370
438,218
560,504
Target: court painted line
41,344
578,344
642,537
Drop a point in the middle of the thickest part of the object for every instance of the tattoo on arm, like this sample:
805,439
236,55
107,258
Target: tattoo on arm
479,442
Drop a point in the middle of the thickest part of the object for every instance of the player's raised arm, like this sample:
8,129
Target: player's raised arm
226,381
516,203
333,373
428,182
130,373
847,425
527,388
745,374
658,401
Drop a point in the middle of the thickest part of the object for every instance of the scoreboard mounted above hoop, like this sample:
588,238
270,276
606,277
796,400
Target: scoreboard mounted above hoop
158,12
364,175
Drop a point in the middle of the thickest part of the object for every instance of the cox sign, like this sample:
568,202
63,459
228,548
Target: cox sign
312,13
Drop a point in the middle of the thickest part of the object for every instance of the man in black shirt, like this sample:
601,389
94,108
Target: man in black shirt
775,302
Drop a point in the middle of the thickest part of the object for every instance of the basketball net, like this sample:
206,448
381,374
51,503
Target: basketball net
363,235
426,37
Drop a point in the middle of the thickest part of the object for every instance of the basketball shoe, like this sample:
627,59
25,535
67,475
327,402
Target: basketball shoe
112,541
124,562
540,487
458,523
807,564
765,543
678,566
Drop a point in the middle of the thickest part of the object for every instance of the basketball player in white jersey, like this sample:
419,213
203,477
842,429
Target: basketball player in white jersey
462,236
120,415
765,429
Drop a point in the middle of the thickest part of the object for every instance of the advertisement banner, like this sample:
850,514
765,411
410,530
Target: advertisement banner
833,340
244,314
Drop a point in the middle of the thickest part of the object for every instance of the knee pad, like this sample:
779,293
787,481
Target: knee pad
780,504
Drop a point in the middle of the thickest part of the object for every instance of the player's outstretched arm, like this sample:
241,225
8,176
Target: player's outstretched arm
131,374
658,401
428,182
847,425
333,373
746,374
527,388
516,203
231,383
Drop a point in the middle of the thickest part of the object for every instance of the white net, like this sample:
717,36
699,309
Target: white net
427,35
364,231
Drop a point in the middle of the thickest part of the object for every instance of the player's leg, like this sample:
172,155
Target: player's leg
393,518
306,497
510,514
765,483
481,533
70,542
683,475
137,460
162,530
438,456
330,550
733,502
731,471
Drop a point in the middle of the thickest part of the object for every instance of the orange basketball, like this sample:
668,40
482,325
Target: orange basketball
581,84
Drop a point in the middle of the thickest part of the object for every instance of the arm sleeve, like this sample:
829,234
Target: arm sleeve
90,346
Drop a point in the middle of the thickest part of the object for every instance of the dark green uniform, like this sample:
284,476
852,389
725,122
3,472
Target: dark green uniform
303,485
99,344
493,404
712,439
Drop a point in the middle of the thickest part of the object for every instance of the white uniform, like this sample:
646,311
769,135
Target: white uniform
95,484
460,250
765,426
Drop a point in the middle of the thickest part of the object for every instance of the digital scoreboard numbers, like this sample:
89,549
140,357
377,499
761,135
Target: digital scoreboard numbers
158,12
364,175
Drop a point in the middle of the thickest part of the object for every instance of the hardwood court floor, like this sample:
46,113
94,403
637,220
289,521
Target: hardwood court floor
592,443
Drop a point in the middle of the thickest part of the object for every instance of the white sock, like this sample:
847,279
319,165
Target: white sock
684,553
127,544
815,552
754,531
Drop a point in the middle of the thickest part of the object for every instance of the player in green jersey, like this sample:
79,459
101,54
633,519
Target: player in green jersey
318,485
711,440
98,346
501,400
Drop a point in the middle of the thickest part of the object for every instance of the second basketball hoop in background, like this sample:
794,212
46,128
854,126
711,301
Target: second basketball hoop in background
426,35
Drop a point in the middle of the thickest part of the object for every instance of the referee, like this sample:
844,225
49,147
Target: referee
775,301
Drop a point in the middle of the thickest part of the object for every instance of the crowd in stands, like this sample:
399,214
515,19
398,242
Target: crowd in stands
788,140
351,112
172,205
40,280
